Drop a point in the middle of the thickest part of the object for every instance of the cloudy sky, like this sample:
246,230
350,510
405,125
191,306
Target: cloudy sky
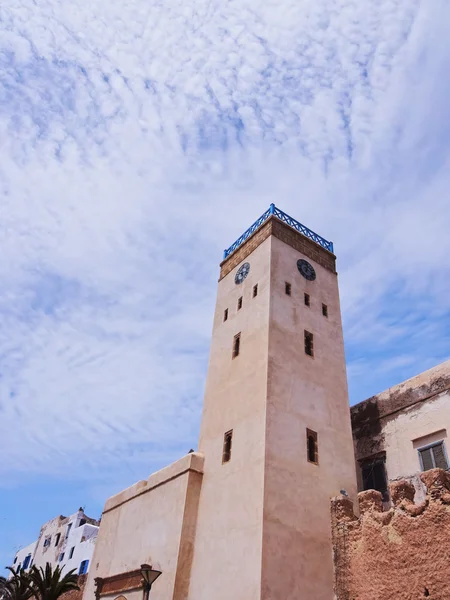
138,139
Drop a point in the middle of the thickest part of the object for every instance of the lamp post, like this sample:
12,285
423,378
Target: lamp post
149,576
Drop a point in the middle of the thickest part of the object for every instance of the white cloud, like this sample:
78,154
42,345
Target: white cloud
140,139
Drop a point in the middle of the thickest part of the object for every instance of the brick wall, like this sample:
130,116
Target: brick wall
399,554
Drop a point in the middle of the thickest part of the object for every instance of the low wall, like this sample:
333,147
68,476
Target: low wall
399,554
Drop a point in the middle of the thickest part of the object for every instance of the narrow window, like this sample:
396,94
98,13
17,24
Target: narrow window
433,457
312,449
47,541
83,567
309,343
69,527
325,310
15,560
72,550
255,290
58,537
227,441
236,345
240,303
26,562
61,557
307,300
225,314
374,476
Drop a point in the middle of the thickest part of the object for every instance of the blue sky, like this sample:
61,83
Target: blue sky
138,140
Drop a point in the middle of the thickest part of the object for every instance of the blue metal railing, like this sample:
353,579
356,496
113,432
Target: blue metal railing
274,211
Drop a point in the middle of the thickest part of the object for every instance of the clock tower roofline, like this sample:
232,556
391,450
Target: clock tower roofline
277,223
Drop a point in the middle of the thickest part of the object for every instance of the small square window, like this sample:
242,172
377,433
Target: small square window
239,303
433,457
307,300
287,288
325,310
255,290
309,343
227,442
225,314
236,345
72,550
312,447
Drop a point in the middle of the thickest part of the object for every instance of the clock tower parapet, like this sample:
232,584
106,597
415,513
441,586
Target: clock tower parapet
277,223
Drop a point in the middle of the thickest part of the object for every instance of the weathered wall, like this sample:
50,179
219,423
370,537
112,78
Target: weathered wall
402,553
76,594
396,422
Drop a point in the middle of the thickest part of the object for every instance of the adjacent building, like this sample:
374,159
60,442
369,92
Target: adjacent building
65,541
403,431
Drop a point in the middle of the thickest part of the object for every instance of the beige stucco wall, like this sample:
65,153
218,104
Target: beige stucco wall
264,529
151,522
303,392
228,546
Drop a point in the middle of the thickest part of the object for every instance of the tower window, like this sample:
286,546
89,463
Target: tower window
307,300
227,442
225,314
255,290
433,457
325,310
240,303
312,448
288,288
58,537
61,557
72,550
236,345
309,343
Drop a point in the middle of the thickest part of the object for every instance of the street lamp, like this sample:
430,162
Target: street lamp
149,576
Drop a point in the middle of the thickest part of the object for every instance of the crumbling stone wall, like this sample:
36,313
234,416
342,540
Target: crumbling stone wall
76,594
399,554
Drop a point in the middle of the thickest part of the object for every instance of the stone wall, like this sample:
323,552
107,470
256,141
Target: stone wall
400,554
76,594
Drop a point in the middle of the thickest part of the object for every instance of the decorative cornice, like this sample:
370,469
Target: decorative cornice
285,233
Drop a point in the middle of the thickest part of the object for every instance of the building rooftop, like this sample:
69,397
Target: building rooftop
273,211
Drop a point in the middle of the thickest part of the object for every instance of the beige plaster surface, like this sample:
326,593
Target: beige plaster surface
228,545
151,522
303,392
264,530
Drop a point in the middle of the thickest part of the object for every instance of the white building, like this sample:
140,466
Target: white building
64,541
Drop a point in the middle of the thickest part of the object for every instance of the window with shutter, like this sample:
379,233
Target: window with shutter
440,459
427,459
433,457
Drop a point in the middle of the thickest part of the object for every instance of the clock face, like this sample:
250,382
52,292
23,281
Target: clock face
306,269
242,273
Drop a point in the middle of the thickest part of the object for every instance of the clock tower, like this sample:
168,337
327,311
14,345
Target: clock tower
275,429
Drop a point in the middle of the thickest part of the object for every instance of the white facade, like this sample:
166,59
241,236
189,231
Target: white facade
65,541
24,557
